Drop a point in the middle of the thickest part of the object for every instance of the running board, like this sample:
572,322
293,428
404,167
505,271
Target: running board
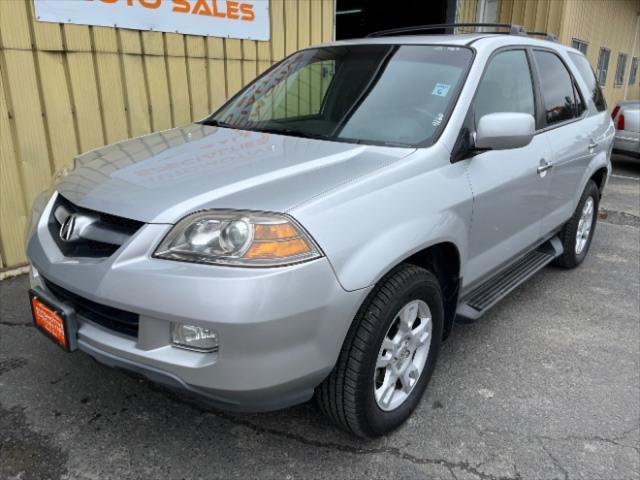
485,296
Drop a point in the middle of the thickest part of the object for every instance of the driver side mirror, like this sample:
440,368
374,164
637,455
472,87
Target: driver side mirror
502,131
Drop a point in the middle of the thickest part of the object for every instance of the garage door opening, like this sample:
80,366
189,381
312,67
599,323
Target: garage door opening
357,18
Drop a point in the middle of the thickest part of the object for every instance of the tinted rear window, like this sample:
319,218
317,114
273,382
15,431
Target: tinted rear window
586,72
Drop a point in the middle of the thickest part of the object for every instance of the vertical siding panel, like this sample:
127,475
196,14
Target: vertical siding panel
327,20
136,95
249,61
29,122
217,83
277,30
291,26
156,80
130,41
233,65
197,64
85,97
104,39
111,96
234,76
12,207
77,38
263,50
554,18
152,43
304,40
316,22
58,109
542,11
14,23
517,13
506,11
178,83
217,76
46,36
158,92
529,14
198,88
304,24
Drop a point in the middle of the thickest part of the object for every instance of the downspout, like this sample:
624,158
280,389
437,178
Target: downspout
633,54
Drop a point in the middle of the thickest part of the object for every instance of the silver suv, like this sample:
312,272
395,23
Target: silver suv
321,232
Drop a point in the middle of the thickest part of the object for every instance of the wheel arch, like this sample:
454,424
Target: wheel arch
600,178
444,261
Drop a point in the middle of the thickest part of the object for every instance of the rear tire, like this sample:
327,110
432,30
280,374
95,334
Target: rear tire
351,396
577,234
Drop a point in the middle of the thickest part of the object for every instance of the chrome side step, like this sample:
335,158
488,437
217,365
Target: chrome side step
485,296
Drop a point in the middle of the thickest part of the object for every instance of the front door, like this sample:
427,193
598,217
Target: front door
509,191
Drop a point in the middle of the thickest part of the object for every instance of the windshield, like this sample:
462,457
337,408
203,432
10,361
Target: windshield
376,94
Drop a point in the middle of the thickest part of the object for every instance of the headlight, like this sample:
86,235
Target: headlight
244,238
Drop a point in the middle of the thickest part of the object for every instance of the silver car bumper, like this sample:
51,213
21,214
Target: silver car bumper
627,142
280,329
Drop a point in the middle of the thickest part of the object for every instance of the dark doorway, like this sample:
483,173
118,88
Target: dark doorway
357,18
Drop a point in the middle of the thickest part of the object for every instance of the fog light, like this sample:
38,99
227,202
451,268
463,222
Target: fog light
192,337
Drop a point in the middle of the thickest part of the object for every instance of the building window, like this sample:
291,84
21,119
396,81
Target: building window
603,66
633,71
580,45
622,63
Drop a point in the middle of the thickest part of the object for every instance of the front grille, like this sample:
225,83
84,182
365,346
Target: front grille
108,317
100,246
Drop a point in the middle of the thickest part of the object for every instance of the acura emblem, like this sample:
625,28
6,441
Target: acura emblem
66,230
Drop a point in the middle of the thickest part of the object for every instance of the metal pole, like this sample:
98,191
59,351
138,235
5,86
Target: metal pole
633,54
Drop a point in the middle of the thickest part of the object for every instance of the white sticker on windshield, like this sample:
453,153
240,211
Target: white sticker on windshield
441,90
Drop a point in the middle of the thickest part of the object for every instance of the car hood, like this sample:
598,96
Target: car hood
161,177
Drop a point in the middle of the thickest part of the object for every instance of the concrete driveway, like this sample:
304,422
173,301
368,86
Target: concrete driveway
547,385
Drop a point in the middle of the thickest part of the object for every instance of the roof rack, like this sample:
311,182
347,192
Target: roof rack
513,29
547,36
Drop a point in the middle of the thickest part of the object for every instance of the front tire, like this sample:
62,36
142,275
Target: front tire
388,355
578,232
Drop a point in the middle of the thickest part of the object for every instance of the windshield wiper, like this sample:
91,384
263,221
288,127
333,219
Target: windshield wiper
212,122
293,133
282,131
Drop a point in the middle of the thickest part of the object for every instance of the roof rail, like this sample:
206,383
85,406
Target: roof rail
547,36
513,29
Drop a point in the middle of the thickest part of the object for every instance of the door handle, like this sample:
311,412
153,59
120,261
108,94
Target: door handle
544,166
592,145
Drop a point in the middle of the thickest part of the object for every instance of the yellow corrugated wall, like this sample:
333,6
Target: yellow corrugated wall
65,89
610,24
601,23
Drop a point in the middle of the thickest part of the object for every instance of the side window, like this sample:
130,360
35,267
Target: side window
557,88
506,86
586,72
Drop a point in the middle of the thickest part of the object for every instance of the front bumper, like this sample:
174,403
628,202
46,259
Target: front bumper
280,329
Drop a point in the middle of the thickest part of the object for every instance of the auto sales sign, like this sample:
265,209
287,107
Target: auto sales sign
246,19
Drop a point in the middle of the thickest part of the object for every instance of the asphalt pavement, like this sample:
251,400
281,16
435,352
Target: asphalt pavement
545,386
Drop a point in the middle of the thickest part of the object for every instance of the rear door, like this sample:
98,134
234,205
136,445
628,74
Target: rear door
509,194
574,132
